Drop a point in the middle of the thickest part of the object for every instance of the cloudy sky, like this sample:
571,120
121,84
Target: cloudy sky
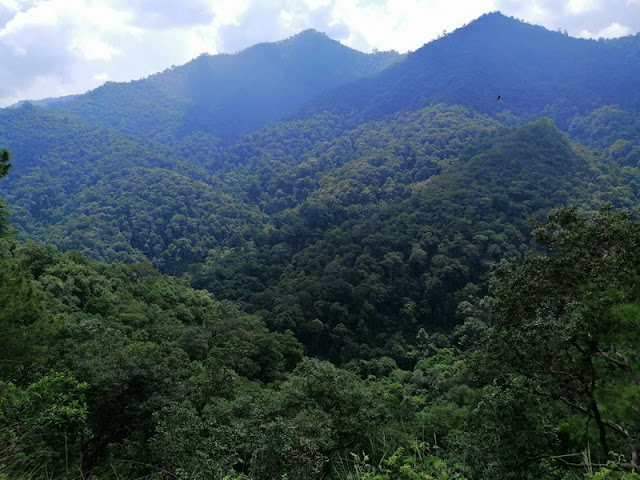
58,47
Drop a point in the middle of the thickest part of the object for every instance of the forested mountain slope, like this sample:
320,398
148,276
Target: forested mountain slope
93,189
370,254
242,221
456,258
534,71
226,95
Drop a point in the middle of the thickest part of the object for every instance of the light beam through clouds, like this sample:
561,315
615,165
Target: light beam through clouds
57,47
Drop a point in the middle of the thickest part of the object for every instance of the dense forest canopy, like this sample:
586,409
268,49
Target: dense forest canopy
406,278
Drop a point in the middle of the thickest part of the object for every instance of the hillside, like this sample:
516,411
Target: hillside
423,241
226,95
535,71
408,278
77,185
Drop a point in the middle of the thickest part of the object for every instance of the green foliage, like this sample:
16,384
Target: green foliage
563,330
342,265
353,240
417,463
138,341
388,231
41,427
91,189
24,325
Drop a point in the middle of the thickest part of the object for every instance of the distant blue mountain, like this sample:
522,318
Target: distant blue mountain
226,95
534,71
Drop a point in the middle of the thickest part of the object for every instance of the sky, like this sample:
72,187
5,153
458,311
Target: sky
50,48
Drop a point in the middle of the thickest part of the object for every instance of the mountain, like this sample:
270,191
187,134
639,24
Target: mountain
391,238
76,185
534,71
388,229
226,95
117,191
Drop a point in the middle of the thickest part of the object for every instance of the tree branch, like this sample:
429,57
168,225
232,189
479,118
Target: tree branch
621,361
633,464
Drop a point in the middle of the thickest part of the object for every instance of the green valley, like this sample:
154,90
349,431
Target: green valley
305,262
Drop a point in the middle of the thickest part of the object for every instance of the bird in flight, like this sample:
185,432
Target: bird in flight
499,97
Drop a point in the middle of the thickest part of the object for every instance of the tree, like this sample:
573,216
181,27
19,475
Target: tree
41,426
330,409
565,327
4,170
4,163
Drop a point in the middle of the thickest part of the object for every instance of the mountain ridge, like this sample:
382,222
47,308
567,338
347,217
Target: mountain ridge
375,237
535,72
228,94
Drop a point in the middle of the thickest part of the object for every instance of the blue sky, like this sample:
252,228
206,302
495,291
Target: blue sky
59,47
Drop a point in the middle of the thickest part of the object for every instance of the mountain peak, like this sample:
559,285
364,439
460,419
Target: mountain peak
496,23
498,64
230,94
311,33
494,16
303,40
313,37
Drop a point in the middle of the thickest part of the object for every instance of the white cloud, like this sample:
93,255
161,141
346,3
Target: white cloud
581,18
93,49
163,14
582,6
403,24
55,47
101,77
615,30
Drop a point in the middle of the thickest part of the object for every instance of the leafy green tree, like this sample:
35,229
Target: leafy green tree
4,169
331,409
564,329
4,162
41,427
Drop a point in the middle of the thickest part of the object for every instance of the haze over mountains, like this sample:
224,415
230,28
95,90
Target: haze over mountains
226,95
345,205
535,72
186,120
100,172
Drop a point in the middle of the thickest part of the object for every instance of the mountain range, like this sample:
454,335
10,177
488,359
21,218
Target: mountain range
534,72
185,240
311,135
225,95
